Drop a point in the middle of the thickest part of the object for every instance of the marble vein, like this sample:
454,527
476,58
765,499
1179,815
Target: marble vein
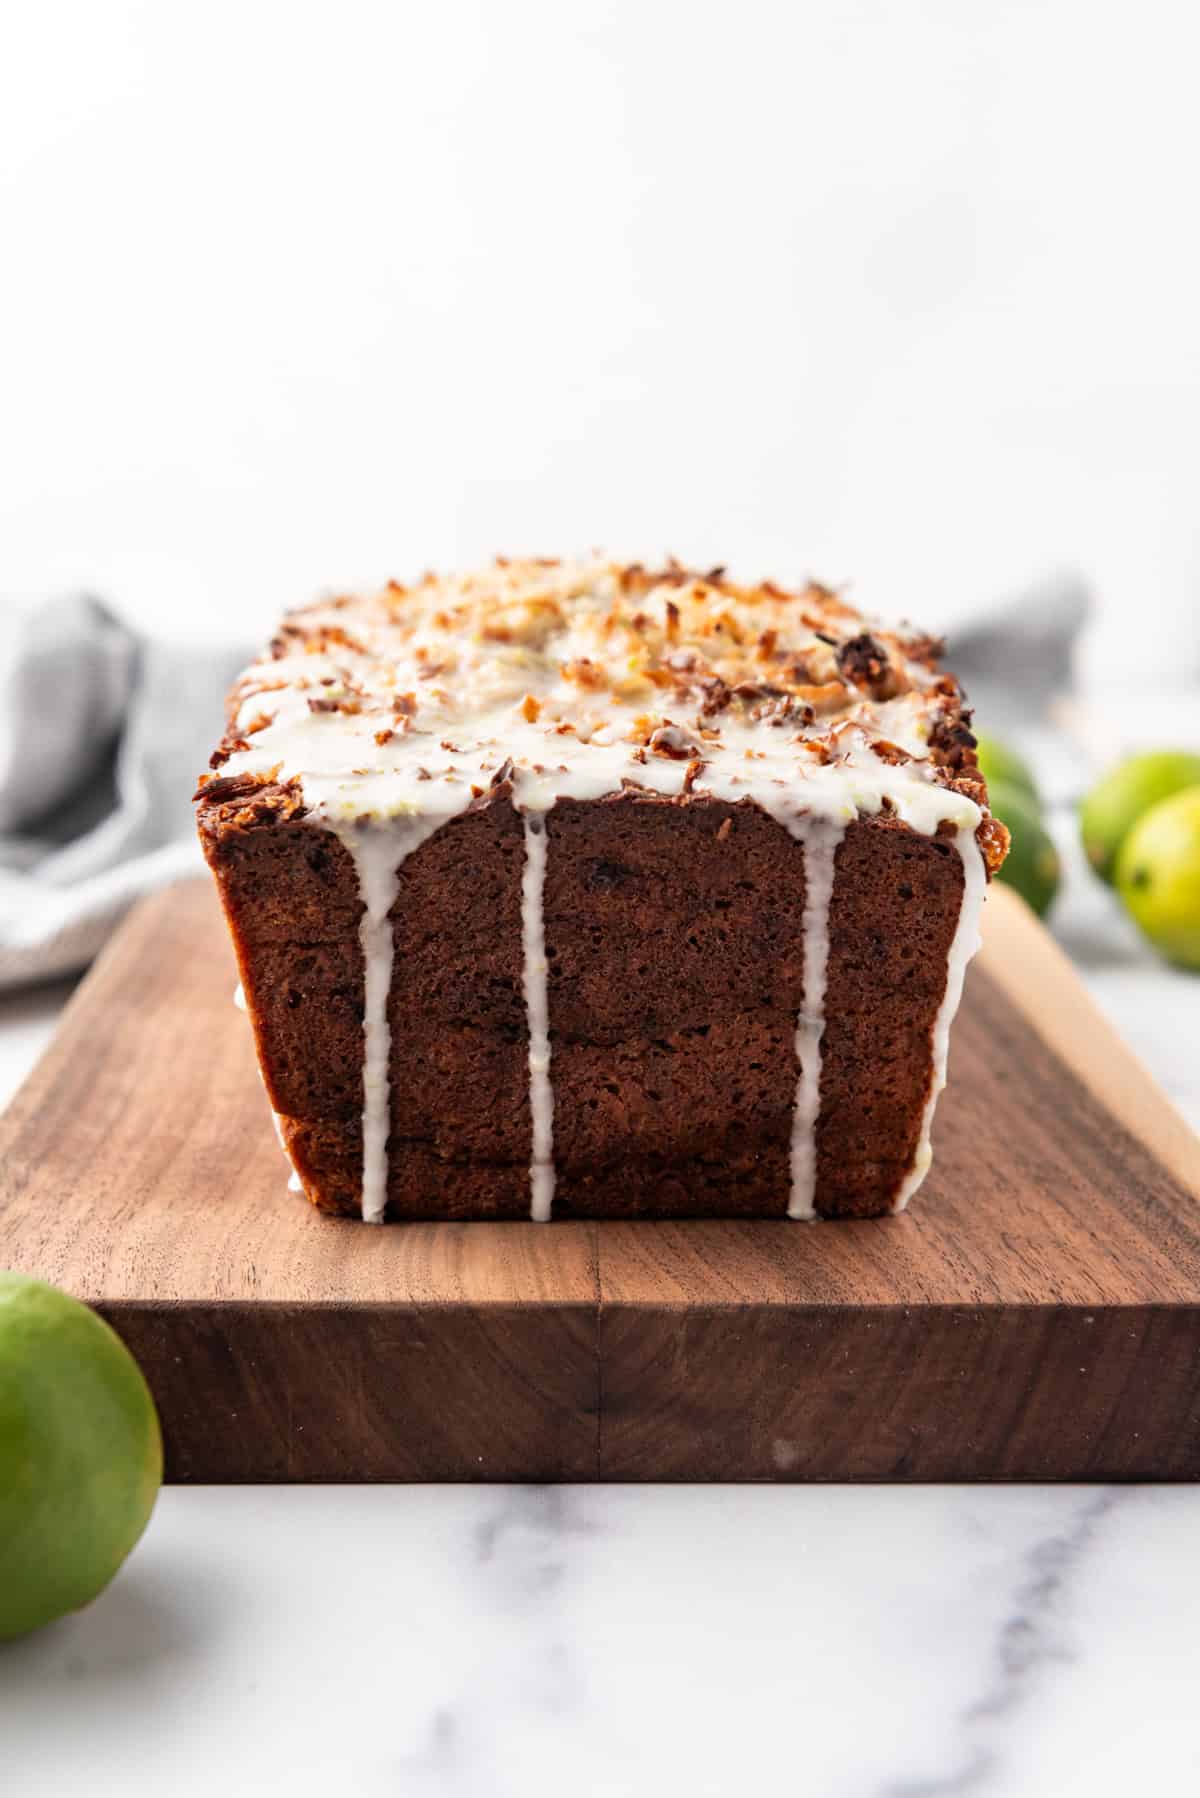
520,1559
1034,1636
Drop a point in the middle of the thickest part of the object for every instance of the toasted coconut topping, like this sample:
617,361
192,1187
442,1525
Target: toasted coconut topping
583,676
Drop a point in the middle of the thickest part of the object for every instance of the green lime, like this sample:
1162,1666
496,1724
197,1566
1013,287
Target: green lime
1032,864
1158,876
1114,806
1002,765
80,1454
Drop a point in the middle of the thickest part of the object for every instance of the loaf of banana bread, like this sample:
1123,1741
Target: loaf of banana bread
583,889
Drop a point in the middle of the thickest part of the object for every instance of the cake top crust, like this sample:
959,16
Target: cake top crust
581,679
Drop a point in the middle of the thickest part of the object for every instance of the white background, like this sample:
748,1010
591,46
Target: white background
898,291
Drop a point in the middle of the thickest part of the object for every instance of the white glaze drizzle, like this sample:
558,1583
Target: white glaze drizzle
378,854
965,942
464,675
239,996
537,1011
515,697
820,837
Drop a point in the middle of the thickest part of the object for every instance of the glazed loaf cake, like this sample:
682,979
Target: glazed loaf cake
588,890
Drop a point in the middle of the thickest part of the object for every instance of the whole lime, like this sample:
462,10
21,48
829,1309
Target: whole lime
1158,876
80,1454
1114,806
1032,865
1000,764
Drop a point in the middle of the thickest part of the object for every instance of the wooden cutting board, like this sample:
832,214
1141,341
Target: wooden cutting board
1035,1316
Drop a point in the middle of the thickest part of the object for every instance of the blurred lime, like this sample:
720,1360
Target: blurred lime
1114,806
1032,865
80,1454
1002,765
1158,876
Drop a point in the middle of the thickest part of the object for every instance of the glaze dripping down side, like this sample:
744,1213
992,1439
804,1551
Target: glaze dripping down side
821,838
378,851
537,1010
965,943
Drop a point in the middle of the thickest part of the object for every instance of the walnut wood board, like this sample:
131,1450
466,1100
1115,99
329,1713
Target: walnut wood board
1035,1316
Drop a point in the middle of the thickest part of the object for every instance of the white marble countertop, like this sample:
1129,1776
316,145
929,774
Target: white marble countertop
493,1642
501,1642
